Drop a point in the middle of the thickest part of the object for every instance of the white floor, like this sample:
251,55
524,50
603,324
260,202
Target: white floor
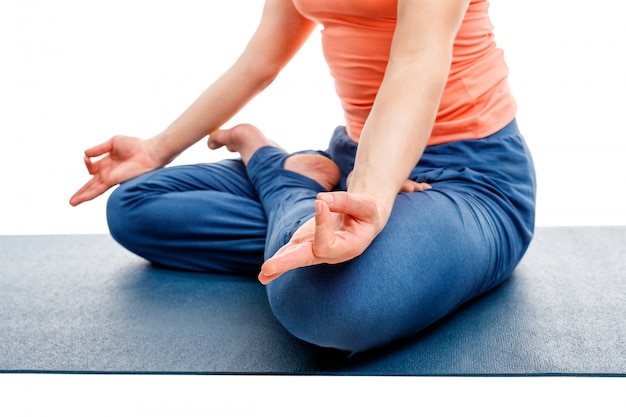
272,396
75,73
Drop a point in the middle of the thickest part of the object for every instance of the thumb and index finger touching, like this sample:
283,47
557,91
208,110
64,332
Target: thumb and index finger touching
358,206
321,244
94,187
99,149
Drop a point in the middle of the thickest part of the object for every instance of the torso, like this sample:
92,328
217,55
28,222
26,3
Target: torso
356,40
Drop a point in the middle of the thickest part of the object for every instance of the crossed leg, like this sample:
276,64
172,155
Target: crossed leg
435,253
204,217
440,248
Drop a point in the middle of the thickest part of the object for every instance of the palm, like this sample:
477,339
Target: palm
340,231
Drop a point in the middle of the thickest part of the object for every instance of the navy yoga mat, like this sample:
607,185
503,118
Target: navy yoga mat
81,303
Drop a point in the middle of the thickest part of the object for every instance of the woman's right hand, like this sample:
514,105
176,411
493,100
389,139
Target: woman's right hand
122,158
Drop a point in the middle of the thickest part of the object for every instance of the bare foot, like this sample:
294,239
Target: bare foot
317,167
247,139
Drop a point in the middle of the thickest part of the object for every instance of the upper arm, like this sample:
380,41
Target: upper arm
427,27
280,34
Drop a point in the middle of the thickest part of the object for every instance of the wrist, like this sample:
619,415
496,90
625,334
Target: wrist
382,201
158,149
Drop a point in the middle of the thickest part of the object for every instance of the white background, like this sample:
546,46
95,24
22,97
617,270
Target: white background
72,74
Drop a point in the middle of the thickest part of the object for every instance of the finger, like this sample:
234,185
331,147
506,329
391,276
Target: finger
89,165
407,187
324,230
82,195
266,279
92,189
420,186
410,186
346,203
100,149
290,256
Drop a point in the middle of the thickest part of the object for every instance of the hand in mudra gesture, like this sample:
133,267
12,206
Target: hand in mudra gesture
122,158
343,227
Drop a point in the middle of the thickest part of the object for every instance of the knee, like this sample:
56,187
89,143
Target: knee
119,216
315,308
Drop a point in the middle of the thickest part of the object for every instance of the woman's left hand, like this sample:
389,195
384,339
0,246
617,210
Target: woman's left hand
343,227
411,186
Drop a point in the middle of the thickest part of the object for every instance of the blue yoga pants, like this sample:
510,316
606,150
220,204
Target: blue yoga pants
441,247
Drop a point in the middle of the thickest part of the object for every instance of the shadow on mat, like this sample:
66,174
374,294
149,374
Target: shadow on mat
228,318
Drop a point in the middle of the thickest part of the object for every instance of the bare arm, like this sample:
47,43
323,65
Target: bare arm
280,34
392,141
403,115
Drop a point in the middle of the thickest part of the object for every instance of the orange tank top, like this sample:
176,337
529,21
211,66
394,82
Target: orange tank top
356,39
